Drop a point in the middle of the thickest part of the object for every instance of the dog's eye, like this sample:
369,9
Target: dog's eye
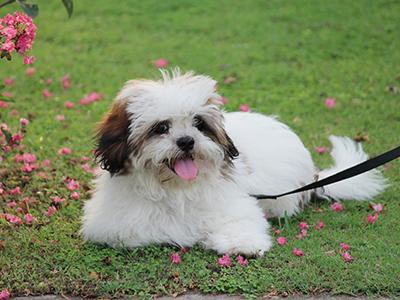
199,123
160,128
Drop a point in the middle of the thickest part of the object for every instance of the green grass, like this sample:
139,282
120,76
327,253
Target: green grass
288,57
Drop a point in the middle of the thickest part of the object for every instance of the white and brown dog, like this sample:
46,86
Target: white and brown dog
179,170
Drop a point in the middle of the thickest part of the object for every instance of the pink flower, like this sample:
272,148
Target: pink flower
224,100
28,60
244,108
241,260
371,219
15,191
319,225
4,104
69,104
23,122
347,257
225,261
26,158
276,231
28,168
7,94
57,199
75,196
66,81
86,167
12,204
337,206
72,185
330,102
90,98
60,118
344,246
46,163
281,241
46,93
303,225
302,234
64,151
378,208
51,210
29,219
49,81
321,150
9,81
297,252
13,219
161,63
30,71
175,258
4,294
85,158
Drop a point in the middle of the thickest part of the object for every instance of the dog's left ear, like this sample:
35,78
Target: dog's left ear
229,147
112,139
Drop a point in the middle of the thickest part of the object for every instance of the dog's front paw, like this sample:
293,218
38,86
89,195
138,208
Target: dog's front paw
244,242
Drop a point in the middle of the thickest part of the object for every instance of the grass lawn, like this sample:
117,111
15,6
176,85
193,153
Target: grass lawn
287,58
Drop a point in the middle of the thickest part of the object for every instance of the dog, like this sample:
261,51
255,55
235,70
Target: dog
176,169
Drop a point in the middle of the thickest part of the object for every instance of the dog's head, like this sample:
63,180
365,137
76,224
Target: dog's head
173,128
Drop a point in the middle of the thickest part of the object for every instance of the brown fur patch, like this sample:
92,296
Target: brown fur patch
112,148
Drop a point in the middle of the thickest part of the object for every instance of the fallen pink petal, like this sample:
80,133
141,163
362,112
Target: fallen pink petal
23,122
64,151
303,225
60,118
72,185
15,220
7,94
298,252
29,219
75,195
47,94
30,71
15,191
28,60
337,207
69,104
4,104
46,163
12,204
347,257
330,102
241,260
224,100
244,108
175,258
90,98
51,210
344,246
66,81
161,63
371,219
321,150
378,208
57,199
5,294
319,225
9,81
281,241
225,261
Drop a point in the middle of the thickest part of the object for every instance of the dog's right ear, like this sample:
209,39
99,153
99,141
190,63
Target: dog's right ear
112,149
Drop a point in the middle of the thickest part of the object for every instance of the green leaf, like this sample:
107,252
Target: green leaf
31,10
7,134
69,6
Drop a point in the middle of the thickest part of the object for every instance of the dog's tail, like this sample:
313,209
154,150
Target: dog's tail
347,153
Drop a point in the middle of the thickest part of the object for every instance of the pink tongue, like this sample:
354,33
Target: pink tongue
186,169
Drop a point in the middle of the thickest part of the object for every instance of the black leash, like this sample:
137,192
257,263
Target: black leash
363,167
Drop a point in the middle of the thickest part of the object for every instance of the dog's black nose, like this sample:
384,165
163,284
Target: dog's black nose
185,143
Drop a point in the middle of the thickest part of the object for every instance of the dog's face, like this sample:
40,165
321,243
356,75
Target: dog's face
172,128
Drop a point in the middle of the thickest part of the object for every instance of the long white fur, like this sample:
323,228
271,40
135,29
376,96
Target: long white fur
213,210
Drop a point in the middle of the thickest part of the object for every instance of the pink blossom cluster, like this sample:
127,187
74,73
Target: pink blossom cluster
17,33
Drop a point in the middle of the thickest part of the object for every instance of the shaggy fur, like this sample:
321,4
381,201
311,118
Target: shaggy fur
142,197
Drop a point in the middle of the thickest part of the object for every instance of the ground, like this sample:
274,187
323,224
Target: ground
284,58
